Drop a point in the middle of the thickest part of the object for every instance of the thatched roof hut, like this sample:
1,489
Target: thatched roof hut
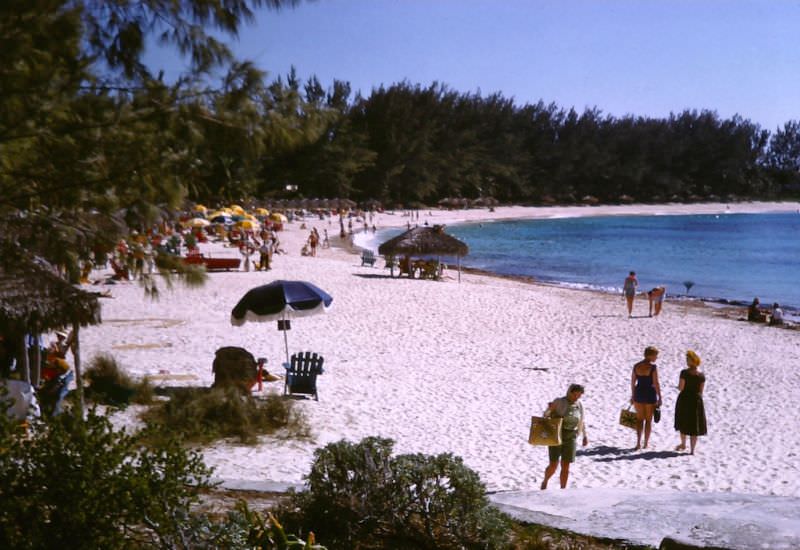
424,241
34,298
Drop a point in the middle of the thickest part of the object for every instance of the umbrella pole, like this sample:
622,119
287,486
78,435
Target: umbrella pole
285,338
459,269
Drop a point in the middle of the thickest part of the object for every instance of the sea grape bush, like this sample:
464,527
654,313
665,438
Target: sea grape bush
359,496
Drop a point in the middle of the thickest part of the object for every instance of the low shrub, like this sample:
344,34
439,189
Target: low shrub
108,385
360,497
77,483
202,415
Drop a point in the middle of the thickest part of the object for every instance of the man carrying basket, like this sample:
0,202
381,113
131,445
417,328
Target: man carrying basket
570,410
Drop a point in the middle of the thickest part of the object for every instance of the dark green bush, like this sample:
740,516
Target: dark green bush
201,415
359,497
75,483
108,385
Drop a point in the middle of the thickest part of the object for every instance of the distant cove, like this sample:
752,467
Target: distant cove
731,257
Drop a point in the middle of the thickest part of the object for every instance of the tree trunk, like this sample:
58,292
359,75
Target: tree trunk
76,358
36,371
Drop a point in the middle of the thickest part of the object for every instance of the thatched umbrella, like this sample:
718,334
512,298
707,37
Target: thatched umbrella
425,241
34,299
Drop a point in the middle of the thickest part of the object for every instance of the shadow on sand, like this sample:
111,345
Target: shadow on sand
611,454
375,276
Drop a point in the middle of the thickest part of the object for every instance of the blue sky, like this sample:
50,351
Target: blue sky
638,56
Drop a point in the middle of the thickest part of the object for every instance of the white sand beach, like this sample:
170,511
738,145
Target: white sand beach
460,368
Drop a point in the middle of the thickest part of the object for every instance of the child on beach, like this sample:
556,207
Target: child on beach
571,411
645,394
754,313
776,318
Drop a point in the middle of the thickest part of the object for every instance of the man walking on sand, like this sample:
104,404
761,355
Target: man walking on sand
570,410
629,290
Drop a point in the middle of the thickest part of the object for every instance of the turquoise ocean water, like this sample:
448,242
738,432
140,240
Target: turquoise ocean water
729,257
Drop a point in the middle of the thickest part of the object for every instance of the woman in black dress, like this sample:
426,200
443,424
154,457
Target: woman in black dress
690,413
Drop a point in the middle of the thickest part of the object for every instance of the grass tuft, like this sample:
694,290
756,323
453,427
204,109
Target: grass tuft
202,415
108,385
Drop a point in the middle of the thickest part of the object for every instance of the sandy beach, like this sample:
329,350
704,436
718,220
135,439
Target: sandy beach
460,367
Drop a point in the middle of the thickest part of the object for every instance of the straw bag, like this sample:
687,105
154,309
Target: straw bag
628,418
545,431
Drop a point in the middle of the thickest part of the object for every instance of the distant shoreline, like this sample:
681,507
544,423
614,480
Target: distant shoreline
508,213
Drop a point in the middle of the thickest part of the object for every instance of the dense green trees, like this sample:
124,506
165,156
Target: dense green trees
408,143
90,140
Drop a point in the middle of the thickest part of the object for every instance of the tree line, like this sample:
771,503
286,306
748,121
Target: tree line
407,143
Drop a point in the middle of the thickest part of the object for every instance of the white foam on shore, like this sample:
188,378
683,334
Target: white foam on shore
460,368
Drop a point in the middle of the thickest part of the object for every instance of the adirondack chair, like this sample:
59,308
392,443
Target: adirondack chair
368,258
406,267
301,374
391,263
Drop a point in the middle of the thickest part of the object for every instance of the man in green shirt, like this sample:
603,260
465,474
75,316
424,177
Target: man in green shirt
571,410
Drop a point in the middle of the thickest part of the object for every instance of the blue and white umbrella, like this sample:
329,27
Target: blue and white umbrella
279,301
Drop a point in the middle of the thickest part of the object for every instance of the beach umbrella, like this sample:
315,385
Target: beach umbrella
280,301
262,211
199,222
278,217
200,208
222,218
248,224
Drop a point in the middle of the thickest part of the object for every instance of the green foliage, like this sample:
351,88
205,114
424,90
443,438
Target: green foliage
360,497
254,530
108,385
200,415
407,143
92,144
190,240
77,483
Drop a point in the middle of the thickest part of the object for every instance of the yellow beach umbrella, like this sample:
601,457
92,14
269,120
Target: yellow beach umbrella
248,224
200,208
262,211
236,209
278,217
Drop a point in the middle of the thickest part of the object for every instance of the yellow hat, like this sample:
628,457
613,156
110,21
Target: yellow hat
692,358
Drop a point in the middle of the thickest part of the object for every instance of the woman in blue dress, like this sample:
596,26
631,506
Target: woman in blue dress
645,394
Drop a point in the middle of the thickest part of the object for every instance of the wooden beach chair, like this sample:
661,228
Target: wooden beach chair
430,270
368,258
391,263
301,374
406,267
